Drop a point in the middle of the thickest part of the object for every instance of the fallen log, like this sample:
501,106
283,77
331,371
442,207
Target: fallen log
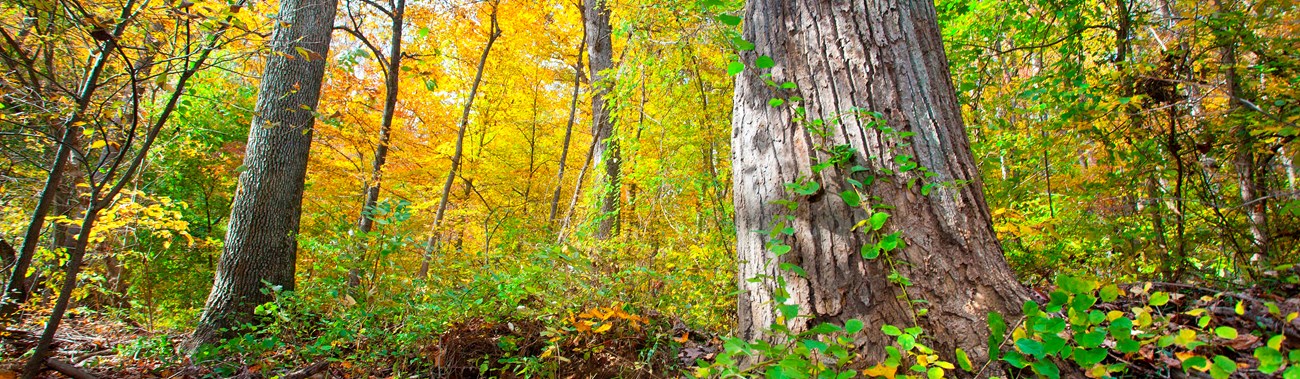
68,369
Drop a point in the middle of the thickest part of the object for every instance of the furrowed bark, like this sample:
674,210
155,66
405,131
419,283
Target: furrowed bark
261,241
600,53
887,57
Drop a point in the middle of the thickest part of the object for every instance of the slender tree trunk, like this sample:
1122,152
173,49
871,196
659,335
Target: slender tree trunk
493,33
568,131
392,76
78,252
106,183
261,242
391,84
600,53
577,189
886,58
1249,185
16,289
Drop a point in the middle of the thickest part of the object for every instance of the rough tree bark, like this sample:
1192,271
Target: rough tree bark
261,242
600,56
887,57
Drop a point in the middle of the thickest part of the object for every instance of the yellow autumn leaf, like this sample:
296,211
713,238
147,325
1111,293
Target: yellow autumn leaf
880,370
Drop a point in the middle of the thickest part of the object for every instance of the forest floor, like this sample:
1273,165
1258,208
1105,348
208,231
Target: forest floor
611,342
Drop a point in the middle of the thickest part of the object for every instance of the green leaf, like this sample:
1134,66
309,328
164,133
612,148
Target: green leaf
893,357
1091,339
1226,332
1089,357
1270,360
1082,303
1051,325
1159,299
878,220
791,267
1031,347
1029,308
934,373
780,250
963,360
1109,293
1058,298
870,251
851,198
764,62
1225,364
1128,346
825,328
1015,359
1048,369
808,188
788,311
1197,363
729,19
891,330
1052,344
734,68
1121,328
1095,317
815,345
1074,285
997,331
853,325
1292,372
890,242
906,341
1275,342
742,44
775,102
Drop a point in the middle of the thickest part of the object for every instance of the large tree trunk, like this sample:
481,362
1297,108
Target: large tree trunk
261,242
600,55
886,58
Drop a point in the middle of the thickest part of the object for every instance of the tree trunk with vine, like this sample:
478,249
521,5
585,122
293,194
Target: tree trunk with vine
830,60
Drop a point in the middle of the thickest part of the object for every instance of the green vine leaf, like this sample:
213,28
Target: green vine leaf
851,198
734,68
878,220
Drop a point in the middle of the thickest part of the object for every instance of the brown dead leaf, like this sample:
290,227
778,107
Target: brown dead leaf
1244,342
